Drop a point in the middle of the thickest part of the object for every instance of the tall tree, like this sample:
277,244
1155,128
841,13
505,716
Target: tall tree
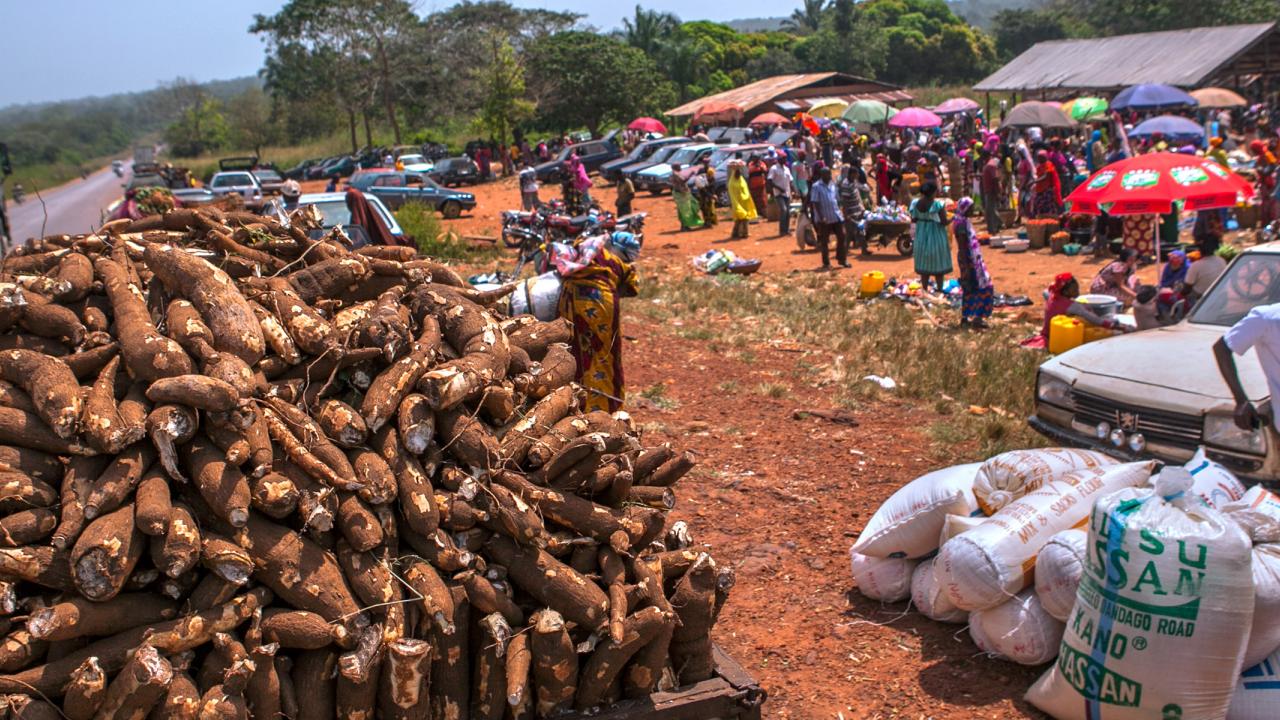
807,18
649,29
249,120
595,79
363,41
1017,30
502,82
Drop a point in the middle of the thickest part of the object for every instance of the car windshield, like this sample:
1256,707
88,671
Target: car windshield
1252,280
233,179
662,155
721,156
335,212
685,155
412,159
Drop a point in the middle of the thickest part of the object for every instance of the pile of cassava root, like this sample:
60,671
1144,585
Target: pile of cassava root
248,472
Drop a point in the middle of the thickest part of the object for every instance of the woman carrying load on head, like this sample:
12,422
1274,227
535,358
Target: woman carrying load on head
597,274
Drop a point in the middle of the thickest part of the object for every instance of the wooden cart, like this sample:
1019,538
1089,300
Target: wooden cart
730,694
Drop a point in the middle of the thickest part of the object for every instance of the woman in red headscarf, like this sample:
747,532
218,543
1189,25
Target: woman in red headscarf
1048,188
1060,299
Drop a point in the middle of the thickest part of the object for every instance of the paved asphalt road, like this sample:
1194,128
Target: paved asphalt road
77,207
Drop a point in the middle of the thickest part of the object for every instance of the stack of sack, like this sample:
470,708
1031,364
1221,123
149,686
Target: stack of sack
1159,596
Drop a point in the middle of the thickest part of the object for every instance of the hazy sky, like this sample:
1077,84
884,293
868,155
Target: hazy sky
60,49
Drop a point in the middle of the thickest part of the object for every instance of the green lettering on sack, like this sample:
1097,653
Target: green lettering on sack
1096,682
1186,611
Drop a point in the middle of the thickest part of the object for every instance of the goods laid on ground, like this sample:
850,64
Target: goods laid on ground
252,473
928,597
1162,616
1059,567
1018,629
1008,476
982,567
884,579
909,523
1158,596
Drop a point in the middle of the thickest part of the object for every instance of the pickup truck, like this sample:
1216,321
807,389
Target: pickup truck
238,182
397,188
1158,393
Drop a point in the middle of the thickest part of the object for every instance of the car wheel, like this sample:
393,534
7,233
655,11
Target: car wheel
451,209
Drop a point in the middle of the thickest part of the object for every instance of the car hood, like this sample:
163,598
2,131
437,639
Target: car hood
1178,358
420,167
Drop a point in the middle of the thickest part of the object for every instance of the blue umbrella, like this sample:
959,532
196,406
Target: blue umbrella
1152,97
1169,126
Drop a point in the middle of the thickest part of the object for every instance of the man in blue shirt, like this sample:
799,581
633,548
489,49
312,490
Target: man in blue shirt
824,211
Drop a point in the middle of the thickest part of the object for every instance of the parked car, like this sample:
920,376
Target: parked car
657,177
730,135
593,154
612,170
659,157
237,182
299,171
333,211
416,162
272,182
338,166
455,171
397,188
1158,393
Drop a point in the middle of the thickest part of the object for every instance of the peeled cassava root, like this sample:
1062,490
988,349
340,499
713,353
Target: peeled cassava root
247,473
250,473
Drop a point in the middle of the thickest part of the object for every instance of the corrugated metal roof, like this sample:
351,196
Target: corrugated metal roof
753,94
1185,58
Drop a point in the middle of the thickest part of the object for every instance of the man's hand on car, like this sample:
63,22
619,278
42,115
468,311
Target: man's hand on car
1247,416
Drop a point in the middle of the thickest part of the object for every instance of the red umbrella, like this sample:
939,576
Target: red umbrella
915,117
648,124
769,118
1148,184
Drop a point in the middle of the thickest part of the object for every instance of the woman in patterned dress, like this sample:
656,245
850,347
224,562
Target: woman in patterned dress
975,281
597,274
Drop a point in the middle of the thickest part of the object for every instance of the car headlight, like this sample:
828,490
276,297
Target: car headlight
1221,430
1054,391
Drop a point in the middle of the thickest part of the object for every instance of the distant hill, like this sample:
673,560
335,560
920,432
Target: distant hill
750,25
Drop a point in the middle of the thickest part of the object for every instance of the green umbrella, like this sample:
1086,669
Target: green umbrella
1085,108
869,112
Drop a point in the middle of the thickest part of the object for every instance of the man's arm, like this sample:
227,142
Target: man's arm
1246,415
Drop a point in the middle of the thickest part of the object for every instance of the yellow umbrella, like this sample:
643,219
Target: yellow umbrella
828,108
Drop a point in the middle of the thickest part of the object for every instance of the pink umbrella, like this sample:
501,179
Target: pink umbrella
955,105
648,124
915,117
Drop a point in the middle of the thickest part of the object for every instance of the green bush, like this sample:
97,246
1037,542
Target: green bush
420,221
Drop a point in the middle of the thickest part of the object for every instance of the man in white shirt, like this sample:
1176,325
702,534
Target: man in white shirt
779,178
1259,331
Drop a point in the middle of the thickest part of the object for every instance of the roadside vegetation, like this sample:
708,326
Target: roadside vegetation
422,223
978,383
